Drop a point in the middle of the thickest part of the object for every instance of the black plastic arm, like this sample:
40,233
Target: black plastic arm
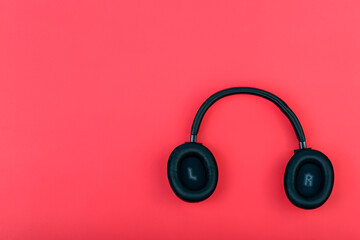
253,91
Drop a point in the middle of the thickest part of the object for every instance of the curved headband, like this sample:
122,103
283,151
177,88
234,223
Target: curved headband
253,91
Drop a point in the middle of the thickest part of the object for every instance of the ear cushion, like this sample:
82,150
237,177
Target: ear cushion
309,178
192,172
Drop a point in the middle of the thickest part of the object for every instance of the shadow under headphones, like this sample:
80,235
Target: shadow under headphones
193,172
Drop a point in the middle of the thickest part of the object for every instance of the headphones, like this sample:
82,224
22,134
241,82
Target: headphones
193,172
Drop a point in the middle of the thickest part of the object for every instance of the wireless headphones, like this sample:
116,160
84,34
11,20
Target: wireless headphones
193,172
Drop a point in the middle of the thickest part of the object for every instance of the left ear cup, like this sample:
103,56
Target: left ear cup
192,172
309,178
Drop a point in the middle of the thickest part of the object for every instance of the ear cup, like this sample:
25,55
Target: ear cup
192,172
309,178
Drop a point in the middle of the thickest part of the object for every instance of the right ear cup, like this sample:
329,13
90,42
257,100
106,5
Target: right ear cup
192,172
309,178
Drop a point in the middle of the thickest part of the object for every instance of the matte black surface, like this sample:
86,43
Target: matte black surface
191,155
302,162
309,180
193,173
253,91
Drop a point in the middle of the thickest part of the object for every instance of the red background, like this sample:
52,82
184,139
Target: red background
94,96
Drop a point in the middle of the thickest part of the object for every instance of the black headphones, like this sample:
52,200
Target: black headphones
193,172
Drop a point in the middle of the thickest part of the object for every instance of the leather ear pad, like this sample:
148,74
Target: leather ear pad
309,178
192,172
